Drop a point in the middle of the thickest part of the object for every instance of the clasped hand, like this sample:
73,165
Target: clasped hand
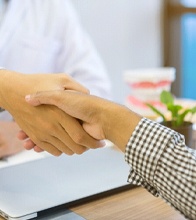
46,127
100,118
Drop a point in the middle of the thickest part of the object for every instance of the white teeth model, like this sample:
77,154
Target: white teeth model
146,86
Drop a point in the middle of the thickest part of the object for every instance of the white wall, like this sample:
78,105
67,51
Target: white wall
127,34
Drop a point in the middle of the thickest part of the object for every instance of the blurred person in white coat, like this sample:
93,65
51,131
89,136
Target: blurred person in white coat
41,36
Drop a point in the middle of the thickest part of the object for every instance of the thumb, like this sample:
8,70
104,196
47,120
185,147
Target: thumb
78,105
39,98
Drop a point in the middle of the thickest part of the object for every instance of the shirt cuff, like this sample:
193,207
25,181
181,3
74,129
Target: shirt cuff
144,150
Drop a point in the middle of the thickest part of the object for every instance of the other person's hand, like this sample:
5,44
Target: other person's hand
47,126
102,119
9,143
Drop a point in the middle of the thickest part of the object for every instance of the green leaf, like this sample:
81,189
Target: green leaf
193,110
166,97
180,119
177,114
155,110
174,109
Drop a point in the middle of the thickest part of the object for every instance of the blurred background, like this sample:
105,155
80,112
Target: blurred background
143,34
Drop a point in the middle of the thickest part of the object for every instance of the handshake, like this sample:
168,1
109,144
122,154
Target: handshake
58,115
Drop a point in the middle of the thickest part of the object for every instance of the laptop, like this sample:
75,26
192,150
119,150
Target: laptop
38,187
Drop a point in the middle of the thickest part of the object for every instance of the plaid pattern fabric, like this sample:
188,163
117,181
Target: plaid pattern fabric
162,164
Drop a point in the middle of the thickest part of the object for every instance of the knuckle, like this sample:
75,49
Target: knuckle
65,78
37,93
44,145
57,98
87,91
51,127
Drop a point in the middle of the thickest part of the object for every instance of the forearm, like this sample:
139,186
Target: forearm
157,155
10,84
14,86
102,119
2,85
118,123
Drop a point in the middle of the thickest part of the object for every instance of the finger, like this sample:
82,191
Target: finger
22,135
78,137
48,144
62,146
71,84
38,149
70,143
49,148
29,144
52,142
70,102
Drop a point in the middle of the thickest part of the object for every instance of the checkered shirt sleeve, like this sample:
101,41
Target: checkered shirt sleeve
162,164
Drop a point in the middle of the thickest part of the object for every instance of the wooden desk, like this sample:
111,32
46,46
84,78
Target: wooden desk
134,204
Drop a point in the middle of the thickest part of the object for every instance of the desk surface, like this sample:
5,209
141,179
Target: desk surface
134,204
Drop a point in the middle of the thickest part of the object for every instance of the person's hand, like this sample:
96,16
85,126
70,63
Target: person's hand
46,126
102,119
9,143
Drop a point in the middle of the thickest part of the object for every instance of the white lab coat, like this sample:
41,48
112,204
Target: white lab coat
45,36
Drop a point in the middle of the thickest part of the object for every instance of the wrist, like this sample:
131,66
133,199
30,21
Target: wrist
119,124
2,109
10,84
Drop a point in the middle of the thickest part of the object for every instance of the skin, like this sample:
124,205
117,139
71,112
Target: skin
102,119
9,143
45,126
106,120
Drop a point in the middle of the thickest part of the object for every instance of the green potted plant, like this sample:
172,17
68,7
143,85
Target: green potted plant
176,120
